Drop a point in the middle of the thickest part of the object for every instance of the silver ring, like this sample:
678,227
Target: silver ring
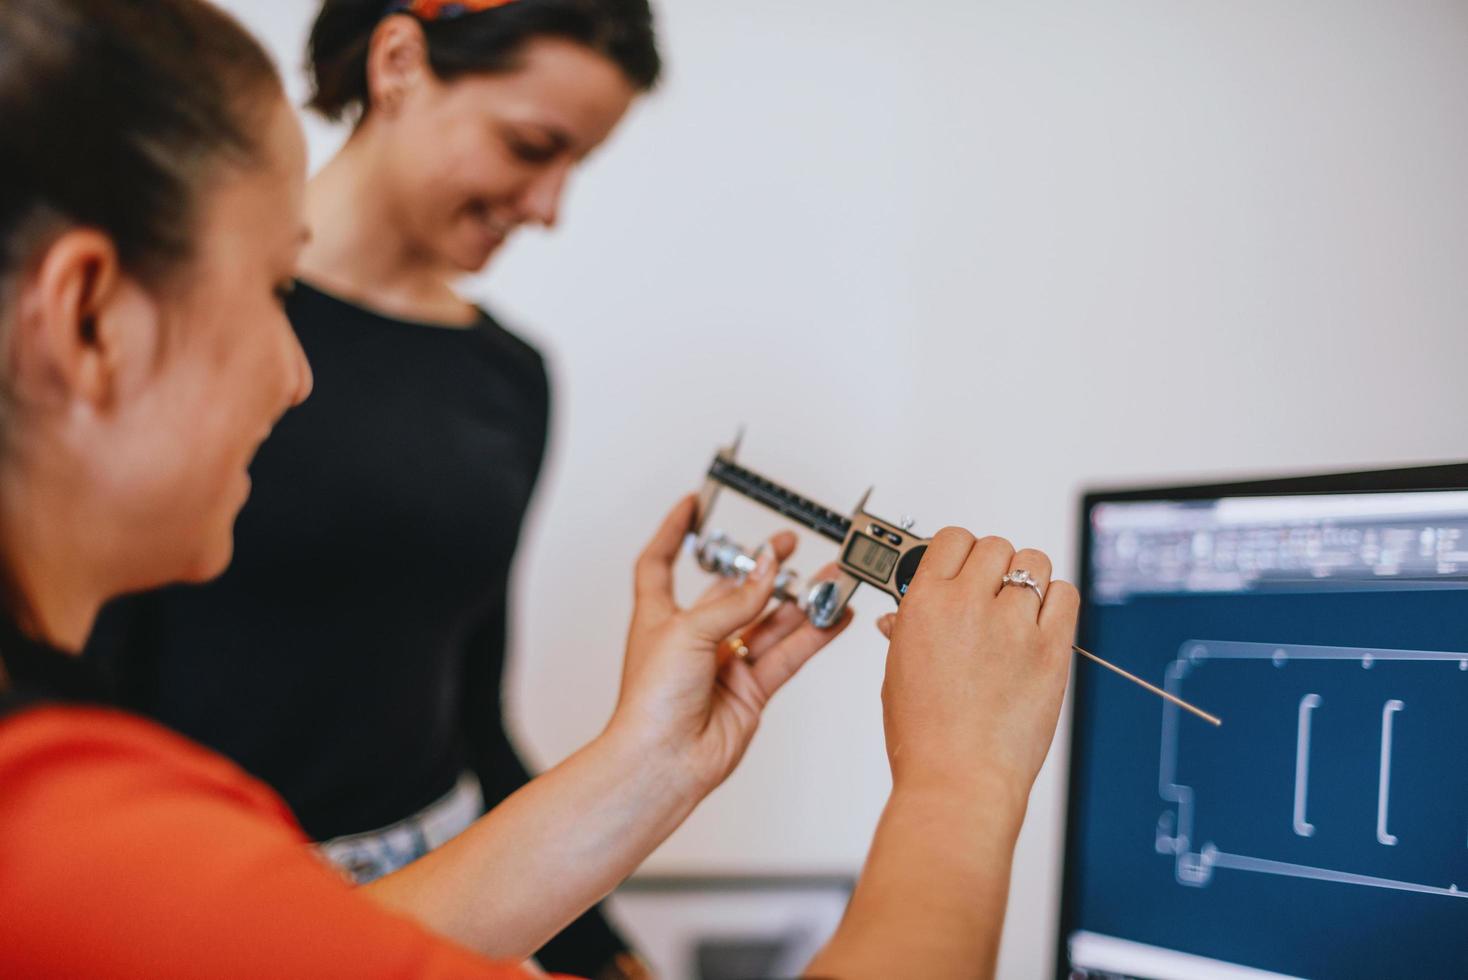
1022,576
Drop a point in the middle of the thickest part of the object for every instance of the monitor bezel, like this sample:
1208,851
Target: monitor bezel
1443,476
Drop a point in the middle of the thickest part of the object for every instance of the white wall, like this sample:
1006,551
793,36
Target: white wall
981,254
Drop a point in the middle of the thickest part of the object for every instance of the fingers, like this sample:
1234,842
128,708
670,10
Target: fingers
786,619
945,555
758,637
1022,598
885,624
653,573
1058,615
987,563
721,615
753,639
777,665
783,545
720,587
1034,561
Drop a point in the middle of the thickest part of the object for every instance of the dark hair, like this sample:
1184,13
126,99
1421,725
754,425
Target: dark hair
114,115
111,115
488,41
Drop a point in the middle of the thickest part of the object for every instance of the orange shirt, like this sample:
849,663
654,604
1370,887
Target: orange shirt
127,851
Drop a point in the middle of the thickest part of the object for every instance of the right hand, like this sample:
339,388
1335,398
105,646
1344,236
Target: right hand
976,671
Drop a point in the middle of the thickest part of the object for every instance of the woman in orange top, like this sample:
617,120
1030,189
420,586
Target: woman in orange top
151,220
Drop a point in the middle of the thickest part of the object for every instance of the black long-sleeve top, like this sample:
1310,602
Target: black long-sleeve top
352,654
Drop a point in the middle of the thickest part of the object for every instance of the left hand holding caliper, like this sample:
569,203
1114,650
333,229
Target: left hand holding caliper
696,679
694,683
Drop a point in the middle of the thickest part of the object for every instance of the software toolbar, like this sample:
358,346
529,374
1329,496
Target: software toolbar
1289,543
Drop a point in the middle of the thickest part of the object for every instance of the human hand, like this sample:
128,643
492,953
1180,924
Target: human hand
976,671
684,691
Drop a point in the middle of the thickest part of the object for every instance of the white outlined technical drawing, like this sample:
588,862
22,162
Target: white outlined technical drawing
1302,759
1195,865
1384,782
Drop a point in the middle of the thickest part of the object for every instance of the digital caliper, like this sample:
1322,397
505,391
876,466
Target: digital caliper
879,552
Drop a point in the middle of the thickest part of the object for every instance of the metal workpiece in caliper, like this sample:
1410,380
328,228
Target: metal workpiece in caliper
879,552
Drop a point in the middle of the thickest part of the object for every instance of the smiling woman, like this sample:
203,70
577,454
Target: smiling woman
468,124
356,645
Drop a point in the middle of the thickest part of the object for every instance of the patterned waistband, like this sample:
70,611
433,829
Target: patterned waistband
370,855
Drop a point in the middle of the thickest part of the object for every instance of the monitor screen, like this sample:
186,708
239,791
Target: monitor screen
1322,830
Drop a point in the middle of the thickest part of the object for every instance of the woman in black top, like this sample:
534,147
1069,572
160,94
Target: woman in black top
352,655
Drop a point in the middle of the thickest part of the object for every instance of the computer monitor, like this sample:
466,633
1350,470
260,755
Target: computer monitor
1322,830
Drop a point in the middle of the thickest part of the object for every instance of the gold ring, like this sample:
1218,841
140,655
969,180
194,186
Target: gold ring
737,646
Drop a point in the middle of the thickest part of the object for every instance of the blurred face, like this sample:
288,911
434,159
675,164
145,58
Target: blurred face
468,161
227,366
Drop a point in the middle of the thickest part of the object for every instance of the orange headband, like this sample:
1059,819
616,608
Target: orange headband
444,9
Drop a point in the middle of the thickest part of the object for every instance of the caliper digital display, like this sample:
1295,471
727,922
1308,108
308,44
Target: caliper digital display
871,556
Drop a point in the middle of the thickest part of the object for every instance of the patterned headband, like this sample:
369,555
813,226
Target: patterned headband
444,9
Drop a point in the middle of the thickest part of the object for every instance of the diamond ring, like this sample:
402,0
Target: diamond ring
1022,577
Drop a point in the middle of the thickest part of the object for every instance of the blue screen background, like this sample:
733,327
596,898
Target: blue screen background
1244,777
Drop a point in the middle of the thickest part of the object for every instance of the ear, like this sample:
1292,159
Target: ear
77,312
397,61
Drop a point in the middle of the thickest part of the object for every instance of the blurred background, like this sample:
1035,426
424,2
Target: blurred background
979,254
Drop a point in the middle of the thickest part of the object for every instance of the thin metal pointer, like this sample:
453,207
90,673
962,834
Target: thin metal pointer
1211,719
